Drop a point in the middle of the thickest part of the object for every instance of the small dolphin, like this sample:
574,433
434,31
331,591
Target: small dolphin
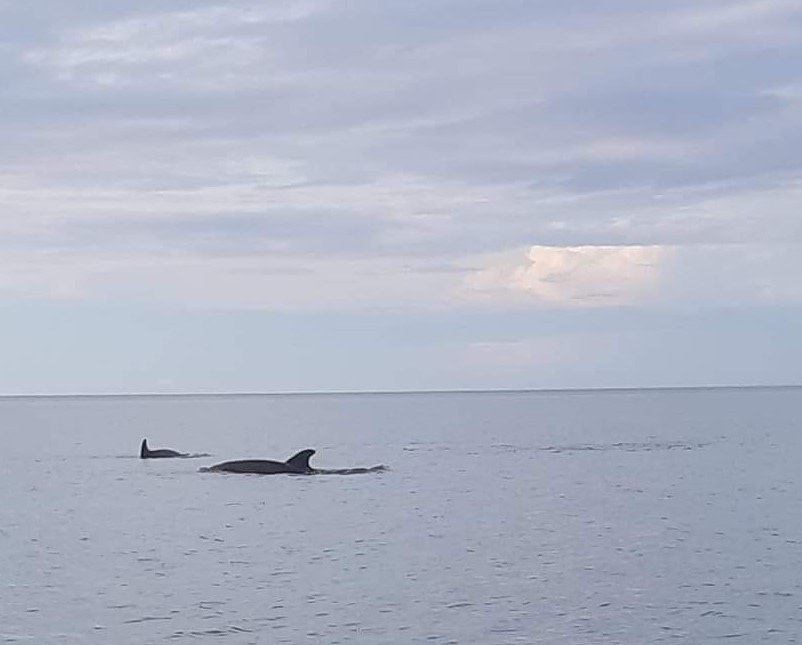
147,453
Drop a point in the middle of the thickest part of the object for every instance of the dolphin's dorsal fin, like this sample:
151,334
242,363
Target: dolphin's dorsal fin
143,449
301,459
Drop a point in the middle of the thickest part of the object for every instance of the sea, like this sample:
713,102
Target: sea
556,517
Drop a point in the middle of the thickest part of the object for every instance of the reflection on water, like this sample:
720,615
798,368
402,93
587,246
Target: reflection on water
350,471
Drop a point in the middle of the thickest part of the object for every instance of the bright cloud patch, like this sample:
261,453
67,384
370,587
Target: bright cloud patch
579,275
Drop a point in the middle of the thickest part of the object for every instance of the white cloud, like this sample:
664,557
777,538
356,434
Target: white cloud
579,275
693,276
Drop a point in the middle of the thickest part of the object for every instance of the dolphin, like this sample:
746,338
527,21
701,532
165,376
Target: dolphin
298,464
147,453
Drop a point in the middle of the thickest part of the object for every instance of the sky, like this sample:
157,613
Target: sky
313,195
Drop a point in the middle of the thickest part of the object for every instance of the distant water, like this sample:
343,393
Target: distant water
563,518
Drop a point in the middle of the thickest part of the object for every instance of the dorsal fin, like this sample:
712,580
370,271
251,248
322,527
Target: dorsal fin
143,449
301,460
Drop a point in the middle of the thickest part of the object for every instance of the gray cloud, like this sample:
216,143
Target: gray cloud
428,133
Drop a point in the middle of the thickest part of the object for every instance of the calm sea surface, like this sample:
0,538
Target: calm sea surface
589,517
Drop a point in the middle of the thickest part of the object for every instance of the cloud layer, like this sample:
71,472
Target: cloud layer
312,154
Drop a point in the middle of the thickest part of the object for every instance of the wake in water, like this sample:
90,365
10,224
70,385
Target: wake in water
194,455
349,471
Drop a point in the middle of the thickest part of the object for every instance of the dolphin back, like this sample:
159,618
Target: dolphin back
256,466
146,453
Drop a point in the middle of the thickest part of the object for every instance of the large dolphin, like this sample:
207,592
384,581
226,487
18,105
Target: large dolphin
147,453
298,464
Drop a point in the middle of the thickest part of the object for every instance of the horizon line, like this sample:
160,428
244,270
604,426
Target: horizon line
553,390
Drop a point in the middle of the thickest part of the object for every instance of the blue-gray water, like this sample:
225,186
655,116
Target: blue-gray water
598,517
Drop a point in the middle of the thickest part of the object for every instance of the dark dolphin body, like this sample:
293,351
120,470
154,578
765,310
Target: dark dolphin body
298,464
147,453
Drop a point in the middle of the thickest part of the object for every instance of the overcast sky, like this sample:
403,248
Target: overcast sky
405,194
